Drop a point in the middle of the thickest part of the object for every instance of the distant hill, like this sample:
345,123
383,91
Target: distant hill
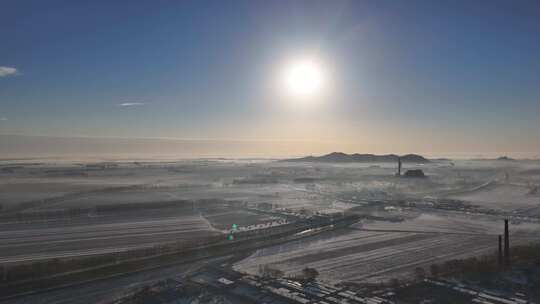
505,158
339,157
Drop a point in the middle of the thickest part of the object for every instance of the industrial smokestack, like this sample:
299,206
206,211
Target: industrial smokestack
500,256
506,245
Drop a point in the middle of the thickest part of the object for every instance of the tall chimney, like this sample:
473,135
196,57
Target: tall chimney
399,166
506,245
500,256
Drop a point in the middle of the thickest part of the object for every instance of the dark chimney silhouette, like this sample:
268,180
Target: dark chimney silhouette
398,166
506,245
500,256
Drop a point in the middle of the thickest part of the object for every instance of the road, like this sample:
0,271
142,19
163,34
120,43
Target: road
103,291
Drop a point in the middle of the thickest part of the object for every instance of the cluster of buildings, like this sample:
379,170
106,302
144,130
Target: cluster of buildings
481,296
281,290
415,173
315,292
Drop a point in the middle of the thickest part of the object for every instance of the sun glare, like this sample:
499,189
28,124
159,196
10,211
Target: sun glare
303,79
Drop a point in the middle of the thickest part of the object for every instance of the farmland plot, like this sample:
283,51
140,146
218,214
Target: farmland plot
28,242
385,250
506,197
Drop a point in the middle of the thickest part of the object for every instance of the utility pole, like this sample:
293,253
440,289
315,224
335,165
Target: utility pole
506,245
500,257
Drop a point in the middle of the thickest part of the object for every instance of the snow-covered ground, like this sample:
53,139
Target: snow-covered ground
371,251
502,196
378,251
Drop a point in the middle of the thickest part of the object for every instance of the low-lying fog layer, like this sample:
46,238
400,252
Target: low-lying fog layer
405,221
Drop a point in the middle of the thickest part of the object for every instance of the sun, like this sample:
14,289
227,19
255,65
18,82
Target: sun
304,79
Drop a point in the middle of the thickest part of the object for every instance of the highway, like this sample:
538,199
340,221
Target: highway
105,290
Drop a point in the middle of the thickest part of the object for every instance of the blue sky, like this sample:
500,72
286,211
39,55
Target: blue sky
435,76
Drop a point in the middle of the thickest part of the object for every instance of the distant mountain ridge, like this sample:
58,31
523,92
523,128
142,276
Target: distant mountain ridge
505,158
340,157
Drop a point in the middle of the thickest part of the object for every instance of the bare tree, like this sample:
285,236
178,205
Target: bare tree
434,269
419,273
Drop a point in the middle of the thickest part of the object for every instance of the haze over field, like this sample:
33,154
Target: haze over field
69,209
99,148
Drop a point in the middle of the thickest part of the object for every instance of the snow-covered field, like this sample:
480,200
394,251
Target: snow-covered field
365,255
291,185
31,242
502,196
374,250
378,251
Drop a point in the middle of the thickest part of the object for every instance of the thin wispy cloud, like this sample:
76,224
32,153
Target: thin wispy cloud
8,71
3,119
131,104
